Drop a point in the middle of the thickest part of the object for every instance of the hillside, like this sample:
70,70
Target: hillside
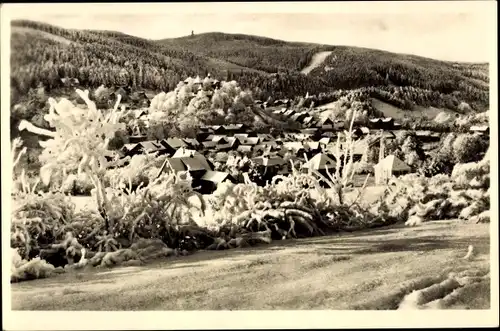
42,54
342,67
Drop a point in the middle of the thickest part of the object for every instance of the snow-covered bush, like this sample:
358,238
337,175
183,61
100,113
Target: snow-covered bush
79,143
193,103
38,220
463,195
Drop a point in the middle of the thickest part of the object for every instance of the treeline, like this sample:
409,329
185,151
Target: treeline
265,54
115,59
423,81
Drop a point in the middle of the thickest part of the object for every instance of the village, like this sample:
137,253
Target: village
271,161
210,157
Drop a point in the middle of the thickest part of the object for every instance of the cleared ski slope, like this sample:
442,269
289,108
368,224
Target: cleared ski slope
316,61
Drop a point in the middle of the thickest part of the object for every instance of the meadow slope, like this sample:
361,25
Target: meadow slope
366,270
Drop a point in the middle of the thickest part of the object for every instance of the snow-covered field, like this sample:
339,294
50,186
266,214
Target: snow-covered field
373,269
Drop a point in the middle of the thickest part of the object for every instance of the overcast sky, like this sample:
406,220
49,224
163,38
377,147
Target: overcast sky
437,32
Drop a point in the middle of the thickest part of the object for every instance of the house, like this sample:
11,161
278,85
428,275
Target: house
361,131
190,153
294,146
192,143
250,141
299,117
235,128
308,121
131,149
138,113
270,165
303,136
364,130
312,145
218,129
211,179
320,162
174,164
241,136
203,133
324,141
195,165
309,131
137,138
220,139
427,136
245,149
271,146
205,128
388,167
175,143
480,129
260,147
325,124
330,134
264,136
387,135
360,148
339,125
209,144
226,143
153,147
382,123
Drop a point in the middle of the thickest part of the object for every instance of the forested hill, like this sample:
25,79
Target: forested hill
43,54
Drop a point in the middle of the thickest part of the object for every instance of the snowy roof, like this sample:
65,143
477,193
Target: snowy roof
293,145
190,153
175,142
365,130
312,144
130,147
233,126
479,128
392,163
151,146
244,148
194,164
208,144
249,141
191,141
215,176
320,162
176,164
139,113
269,161
325,140
241,135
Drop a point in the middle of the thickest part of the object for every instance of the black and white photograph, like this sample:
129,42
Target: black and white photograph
232,157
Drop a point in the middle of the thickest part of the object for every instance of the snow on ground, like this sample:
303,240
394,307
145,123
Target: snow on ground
373,269
316,61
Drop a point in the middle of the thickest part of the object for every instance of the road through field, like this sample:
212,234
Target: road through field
366,270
